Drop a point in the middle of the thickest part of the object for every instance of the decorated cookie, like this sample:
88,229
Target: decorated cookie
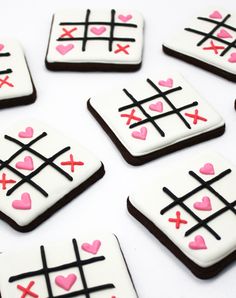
40,171
155,116
191,210
209,42
16,86
91,40
91,267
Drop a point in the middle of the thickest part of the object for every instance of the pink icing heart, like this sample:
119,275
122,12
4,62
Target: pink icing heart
24,203
98,30
142,134
167,83
66,283
125,18
64,49
27,164
204,205
232,58
92,248
207,169
158,106
198,243
224,34
28,133
215,15
1,47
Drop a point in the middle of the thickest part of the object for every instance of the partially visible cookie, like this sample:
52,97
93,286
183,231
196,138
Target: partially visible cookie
155,116
90,40
208,42
91,266
191,210
16,85
41,170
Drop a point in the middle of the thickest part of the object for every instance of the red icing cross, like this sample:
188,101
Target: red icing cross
195,117
122,49
131,117
5,82
27,291
72,163
178,221
214,48
4,181
68,32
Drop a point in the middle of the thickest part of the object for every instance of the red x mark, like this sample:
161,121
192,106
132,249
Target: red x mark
178,221
122,49
131,117
72,163
26,291
195,117
4,81
214,48
68,32
4,181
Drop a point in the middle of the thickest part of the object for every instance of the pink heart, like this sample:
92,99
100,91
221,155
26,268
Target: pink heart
140,134
125,18
1,47
27,164
167,83
92,248
207,169
28,133
204,205
24,203
64,49
198,243
224,34
215,15
158,106
66,283
98,30
232,58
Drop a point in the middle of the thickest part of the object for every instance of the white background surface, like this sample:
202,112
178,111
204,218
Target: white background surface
62,103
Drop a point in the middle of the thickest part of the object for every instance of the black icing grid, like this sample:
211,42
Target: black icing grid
110,39
210,34
47,161
45,271
152,119
201,223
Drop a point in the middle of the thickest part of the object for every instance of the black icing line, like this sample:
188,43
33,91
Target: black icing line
86,291
7,71
203,185
5,54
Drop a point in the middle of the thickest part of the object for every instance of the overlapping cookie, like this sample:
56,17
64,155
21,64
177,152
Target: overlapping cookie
16,85
155,116
209,42
104,40
191,210
91,267
40,171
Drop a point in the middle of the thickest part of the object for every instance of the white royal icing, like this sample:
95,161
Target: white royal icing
19,79
149,198
96,51
112,270
108,104
185,42
49,179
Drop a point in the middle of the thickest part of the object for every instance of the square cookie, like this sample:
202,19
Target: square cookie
40,171
89,40
208,42
155,116
16,85
191,210
90,266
